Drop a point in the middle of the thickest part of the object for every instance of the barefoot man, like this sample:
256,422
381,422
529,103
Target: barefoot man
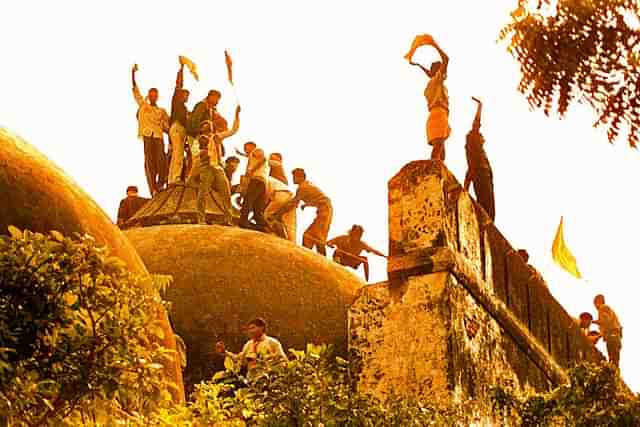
438,129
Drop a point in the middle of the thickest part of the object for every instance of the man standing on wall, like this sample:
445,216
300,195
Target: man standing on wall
610,329
152,122
479,169
438,129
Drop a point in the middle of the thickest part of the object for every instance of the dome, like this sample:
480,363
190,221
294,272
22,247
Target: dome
226,276
39,196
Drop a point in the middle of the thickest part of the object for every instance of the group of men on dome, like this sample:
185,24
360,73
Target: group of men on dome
196,158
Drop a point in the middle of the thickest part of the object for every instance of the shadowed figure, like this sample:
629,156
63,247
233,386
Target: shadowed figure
479,169
130,205
438,129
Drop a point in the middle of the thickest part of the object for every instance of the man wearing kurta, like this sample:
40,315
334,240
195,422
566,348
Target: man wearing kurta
152,122
438,129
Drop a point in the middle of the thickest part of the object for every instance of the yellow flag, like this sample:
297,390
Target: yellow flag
227,60
562,255
421,40
190,65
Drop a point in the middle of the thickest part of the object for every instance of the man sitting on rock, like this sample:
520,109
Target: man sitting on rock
259,347
349,247
585,321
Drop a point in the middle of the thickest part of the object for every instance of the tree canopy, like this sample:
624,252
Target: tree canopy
580,51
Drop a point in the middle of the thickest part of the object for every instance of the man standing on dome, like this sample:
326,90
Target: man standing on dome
178,127
276,168
255,195
259,347
438,129
152,122
278,195
316,234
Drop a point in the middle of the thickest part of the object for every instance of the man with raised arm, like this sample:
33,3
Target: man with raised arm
152,122
316,234
479,169
208,171
259,347
349,247
438,129
178,127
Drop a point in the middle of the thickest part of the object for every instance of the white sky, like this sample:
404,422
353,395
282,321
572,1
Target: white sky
326,85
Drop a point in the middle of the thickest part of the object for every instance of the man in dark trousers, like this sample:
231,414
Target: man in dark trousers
130,205
479,170
153,121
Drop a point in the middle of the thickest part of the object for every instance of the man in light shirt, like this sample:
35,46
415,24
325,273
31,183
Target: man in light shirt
208,173
255,196
279,195
152,122
610,329
178,128
259,347
316,234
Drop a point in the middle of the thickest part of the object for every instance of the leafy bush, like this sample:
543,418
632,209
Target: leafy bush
78,334
311,389
594,397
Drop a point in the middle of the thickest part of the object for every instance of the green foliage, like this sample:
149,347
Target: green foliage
594,397
581,50
311,389
78,334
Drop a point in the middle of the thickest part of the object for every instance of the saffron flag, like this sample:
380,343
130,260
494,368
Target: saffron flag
227,60
190,65
421,40
562,255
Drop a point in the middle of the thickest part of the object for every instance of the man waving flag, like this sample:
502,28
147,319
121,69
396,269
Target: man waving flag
562,255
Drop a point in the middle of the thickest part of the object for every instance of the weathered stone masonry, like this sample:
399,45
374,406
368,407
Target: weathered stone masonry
461,311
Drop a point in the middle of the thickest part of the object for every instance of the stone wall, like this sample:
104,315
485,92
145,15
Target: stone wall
461,310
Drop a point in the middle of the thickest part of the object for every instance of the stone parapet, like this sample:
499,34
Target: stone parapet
461,310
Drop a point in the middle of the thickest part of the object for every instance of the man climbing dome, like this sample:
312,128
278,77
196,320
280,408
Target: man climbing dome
349,247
